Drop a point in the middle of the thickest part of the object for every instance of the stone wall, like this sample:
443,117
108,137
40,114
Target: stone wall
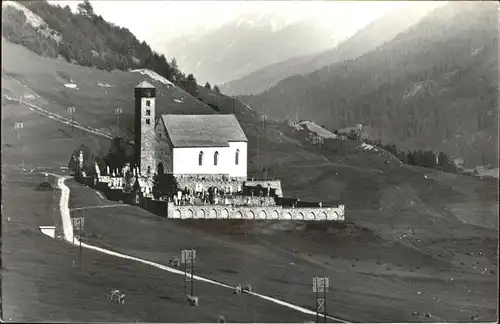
168,209
252,201
315,213
274,184
263,213
154,206
191,183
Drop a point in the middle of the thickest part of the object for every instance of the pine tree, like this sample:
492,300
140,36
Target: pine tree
191,85
174,66
216,89
85,9
207,86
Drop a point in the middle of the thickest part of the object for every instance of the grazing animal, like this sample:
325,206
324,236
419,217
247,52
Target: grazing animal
116,297
243,288
175,262
192,300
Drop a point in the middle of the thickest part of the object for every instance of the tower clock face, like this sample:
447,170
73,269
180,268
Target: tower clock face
147,93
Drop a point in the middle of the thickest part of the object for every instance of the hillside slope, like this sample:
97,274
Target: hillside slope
56,85
408,229
365,40
84,38
434,86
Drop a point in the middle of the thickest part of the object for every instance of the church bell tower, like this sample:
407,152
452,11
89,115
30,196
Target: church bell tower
145,95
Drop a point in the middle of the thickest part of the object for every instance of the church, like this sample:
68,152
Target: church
207,155
197,146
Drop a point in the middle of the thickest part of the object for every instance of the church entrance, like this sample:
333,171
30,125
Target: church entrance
160,169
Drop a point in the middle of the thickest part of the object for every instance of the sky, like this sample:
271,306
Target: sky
157,22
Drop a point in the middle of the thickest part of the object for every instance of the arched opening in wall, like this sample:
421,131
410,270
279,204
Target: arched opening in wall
275,214
160,169
250,215
262,214
149,169
311,216
216,157
300,216
225,213
200,158
201,213
323,216
287,216
337,216
177,213
237,157
238,215
190,213
213,213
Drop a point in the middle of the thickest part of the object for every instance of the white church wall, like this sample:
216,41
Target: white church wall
239,170
186,160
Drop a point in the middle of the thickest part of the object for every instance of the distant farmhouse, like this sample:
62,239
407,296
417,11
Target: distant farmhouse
206,157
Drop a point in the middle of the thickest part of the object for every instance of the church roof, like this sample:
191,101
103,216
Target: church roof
203,130
145,84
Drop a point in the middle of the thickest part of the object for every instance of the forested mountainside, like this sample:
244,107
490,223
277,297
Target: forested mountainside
86,39
434,86
368,38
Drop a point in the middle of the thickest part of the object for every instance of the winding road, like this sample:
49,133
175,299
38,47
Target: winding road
69,238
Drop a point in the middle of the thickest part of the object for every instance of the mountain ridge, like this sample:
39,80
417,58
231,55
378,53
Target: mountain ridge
433,86
235,49
364,40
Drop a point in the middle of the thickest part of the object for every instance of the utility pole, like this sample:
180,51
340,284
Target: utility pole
263,119
360,130
258,153
78,223
118,112
321,285
19,129
71,111
188,257
80,238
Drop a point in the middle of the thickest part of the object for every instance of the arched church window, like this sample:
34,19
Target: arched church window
147,121
200,158
149,169
216,157
148,103
237,157
148,112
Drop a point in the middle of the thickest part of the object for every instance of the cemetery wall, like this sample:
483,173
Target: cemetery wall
263,213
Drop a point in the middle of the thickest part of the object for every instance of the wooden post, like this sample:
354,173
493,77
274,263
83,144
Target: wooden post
80,239
192,277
